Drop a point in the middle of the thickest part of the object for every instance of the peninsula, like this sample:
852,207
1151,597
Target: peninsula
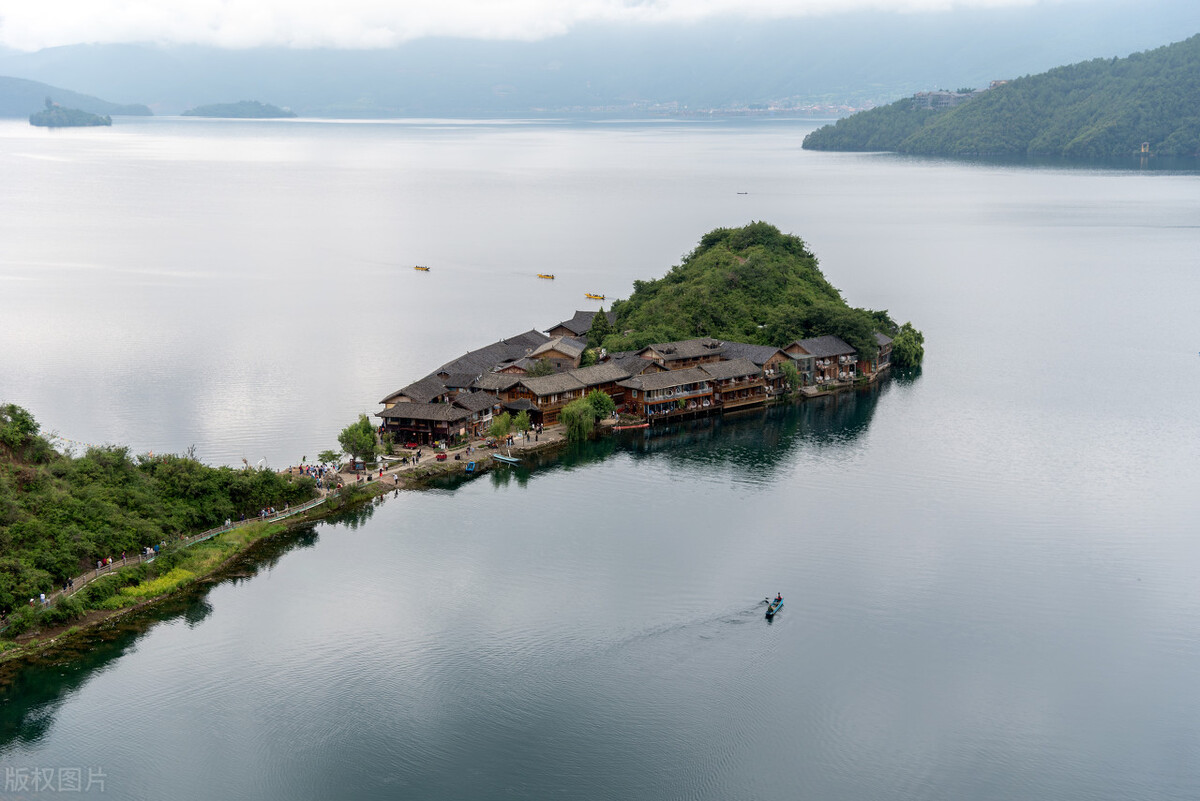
746,319
1147,103
242,110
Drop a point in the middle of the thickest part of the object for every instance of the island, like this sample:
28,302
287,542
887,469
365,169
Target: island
242,110
18,97
56,116
1144,104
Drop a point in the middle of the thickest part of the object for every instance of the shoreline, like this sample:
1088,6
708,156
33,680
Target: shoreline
43,643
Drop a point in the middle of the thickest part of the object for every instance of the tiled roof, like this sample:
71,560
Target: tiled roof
496,382
825,346
519,405
759,354
442,412
601,373
669,378
422,391
475,401
489,356
882,339
568,346
686,349
581,323
733,368
551,384
635,364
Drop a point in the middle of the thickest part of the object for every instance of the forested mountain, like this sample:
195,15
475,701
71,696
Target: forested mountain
1096,109
54,116
752,284
20,98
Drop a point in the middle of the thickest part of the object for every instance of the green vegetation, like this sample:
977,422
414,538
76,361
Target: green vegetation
579,418
358,438
600,329
502,425
540,368
60,514
602,404
908,347
328,457
522,422
243,109
751,284
55,116
1096,109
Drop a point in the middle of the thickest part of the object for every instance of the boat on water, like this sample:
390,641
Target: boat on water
774,607
499,457
545,275
592,296
419,267
627,428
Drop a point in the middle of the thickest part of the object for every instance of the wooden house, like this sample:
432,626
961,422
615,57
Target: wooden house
667,394
833,360
579,325
769,359
604,377
548,394
684,354
563,353
736,383
882,360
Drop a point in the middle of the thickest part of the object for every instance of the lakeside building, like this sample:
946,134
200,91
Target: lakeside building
661,381
832,359
579,325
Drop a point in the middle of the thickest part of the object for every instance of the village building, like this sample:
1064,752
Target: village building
667,394
882,360
470,414
563,353
769,359
604,378
548,394
833,359
579,325
737,383
684,354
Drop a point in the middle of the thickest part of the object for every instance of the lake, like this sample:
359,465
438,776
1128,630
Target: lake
989,566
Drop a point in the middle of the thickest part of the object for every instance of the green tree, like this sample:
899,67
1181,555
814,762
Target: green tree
501,425
540,368
602,404
579,418
791,376
599,330
328,457
358,438
908,348
521,422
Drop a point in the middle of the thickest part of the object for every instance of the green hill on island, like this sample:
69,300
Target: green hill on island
1097,109
56,116
243,109
20,98
752,284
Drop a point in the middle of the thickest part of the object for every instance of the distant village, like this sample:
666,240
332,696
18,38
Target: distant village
660,382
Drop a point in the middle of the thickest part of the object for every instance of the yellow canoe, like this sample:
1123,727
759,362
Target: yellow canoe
544,275
419,267
593,297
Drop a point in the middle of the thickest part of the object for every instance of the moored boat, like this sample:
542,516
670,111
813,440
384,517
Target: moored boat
774,607
499,457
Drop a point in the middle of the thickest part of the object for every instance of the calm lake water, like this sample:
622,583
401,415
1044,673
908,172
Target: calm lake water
990,567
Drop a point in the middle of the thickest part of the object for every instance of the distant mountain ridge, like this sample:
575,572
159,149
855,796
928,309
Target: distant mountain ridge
20,98
821,64
1104,108
243,109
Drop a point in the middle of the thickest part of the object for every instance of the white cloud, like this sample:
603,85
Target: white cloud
34,24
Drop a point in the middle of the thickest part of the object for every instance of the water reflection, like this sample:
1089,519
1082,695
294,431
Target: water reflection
32,690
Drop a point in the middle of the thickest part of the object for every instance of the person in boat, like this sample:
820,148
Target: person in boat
778,597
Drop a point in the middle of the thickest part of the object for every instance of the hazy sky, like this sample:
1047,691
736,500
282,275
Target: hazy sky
34,24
